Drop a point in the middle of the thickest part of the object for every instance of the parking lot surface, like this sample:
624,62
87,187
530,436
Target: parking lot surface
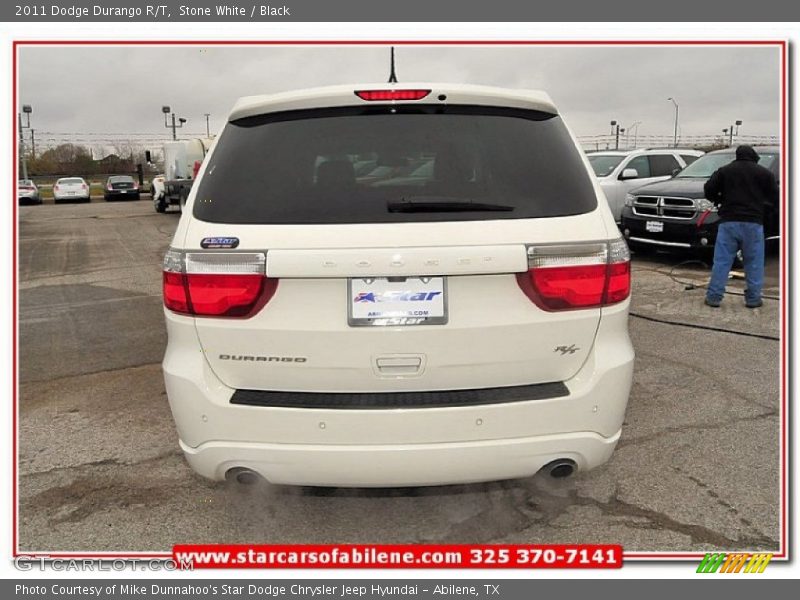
697,467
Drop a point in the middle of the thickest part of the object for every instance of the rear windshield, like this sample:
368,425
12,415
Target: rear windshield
357,165
706,165
604,164
120,179
71,180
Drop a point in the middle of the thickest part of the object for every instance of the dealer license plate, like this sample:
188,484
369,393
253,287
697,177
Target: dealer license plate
654,226
383,301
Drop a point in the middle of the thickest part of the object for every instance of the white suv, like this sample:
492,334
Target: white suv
339,315
620,171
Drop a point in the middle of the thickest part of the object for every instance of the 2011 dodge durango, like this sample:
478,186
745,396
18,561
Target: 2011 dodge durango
396,285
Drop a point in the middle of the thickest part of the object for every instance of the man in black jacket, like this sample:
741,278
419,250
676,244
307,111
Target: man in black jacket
742,190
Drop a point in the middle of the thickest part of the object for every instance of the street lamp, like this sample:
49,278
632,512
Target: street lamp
615,131
635,127
167,110
732,132
27,110
675,134
208,129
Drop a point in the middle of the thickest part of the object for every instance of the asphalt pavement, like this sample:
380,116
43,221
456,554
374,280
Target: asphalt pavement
697,467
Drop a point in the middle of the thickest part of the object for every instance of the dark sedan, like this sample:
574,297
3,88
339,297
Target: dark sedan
121,187
675,213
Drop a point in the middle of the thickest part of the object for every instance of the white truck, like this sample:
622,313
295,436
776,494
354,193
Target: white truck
182,160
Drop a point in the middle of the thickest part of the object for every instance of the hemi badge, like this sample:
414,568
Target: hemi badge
219,242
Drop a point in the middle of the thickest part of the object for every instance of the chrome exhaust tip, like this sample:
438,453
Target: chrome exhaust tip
560,468
243,476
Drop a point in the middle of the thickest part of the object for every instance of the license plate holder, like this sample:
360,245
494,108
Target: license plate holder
396,301
654,226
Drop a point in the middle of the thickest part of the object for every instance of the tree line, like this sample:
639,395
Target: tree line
78,160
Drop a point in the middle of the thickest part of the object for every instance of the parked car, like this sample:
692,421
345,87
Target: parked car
71,189
121,187
676,214
28,192
618,172
325,330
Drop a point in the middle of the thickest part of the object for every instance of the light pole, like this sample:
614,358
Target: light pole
208,130
635,127
731,132
26,108
615,133
675,134
166,110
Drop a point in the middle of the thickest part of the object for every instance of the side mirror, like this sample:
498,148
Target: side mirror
147,156
675,172
629,174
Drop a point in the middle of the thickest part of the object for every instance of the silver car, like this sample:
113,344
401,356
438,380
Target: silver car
27,192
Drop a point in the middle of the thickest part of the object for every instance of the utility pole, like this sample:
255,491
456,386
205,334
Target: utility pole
33,144
208,129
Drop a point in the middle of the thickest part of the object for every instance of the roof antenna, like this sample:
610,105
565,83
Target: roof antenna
392,74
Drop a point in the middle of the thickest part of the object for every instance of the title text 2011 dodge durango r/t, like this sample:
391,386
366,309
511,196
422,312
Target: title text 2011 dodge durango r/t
396,285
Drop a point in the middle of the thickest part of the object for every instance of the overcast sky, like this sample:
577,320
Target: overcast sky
122,89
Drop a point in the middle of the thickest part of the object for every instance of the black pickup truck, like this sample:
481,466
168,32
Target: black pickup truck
676,214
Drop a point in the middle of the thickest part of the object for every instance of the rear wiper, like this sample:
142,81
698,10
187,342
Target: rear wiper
443,204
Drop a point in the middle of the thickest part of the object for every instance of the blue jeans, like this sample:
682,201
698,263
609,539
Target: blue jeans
731,237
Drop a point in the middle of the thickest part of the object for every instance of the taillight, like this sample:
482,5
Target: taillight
55,188
376,95
110,187
218,284
83,185
577,276
135,185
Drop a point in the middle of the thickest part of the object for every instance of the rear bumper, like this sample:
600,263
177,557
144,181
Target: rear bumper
400,464
83,198
399,446
121,193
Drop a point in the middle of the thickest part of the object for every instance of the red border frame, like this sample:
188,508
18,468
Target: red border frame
784,312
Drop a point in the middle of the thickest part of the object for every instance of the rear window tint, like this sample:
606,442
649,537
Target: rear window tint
351,165
71,180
